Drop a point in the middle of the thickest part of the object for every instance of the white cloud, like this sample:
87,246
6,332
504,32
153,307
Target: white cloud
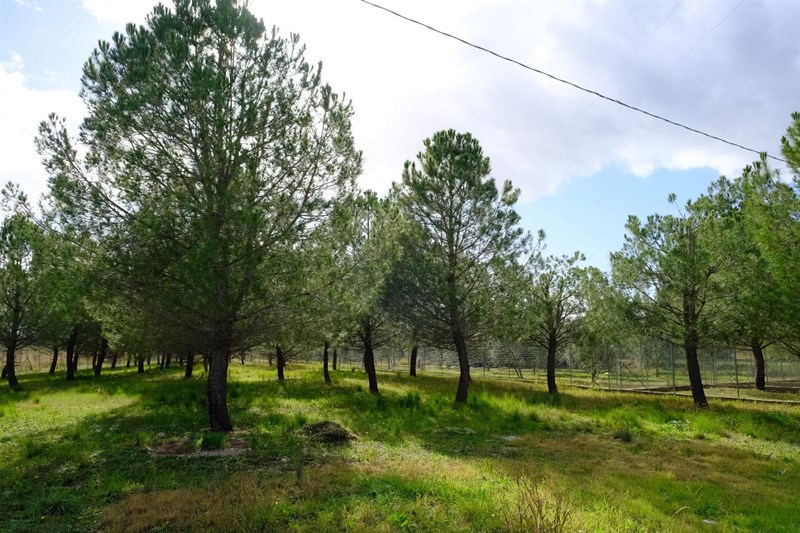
741,83
30,4
21,110
120,12
14,64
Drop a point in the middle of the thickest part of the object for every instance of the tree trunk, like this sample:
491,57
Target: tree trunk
552,349
335,359
463,366
205,364
149,359
169,360
695,380
325,372
187,374
4,375
54,362
412,371
72,354
281,362
140,364
369,366
218,378
128,364
101,357
161,359
114,356
761,370
11,370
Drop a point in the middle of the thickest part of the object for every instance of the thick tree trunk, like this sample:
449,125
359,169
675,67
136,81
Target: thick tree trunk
169,360
281,362
4,375
412,370
54,361
335,359
187,374
101,357
325,373
552,349
140,364
128,364
761,370
369,366
114,356
695,380
218,378
72,354
205,363
11,370
161,359
463,366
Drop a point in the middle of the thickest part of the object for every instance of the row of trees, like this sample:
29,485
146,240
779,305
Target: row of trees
208,207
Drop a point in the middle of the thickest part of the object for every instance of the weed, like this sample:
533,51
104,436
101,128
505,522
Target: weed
536,511
214,441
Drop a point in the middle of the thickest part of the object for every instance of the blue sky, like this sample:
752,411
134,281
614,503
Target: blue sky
584,165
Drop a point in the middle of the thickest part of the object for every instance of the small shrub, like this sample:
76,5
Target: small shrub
623,434
213,441
535,511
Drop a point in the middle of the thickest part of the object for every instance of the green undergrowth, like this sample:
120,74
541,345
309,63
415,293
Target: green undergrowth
128,452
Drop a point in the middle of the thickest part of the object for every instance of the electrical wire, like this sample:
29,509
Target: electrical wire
567,82
687,54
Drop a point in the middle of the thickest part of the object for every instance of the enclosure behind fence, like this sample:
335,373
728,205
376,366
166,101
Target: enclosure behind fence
648,366
654,367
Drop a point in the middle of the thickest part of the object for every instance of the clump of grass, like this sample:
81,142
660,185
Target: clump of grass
32,448
58,502
213,441
411,400
536,511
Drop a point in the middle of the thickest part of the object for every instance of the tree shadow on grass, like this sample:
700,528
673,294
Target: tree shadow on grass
67,474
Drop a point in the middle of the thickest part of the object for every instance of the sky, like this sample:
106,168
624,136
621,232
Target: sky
729,68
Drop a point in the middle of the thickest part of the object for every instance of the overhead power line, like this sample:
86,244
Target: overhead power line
698,43
567,82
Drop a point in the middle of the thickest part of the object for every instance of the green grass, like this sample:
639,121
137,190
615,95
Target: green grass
76,456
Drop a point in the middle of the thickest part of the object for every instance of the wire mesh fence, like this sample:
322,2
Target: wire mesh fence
654,367
650,367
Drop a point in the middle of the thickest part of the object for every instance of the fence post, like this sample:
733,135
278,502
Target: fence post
672,358
736,370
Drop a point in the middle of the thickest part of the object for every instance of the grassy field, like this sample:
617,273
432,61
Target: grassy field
80,456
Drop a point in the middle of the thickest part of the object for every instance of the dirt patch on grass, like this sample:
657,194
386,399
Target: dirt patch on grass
235,445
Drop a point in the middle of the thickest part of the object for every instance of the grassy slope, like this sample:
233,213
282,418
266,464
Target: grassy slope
74,456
